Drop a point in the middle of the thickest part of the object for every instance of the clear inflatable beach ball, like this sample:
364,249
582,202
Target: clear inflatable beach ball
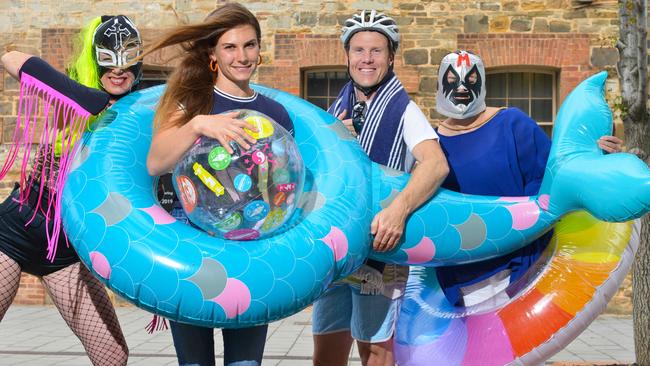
246,195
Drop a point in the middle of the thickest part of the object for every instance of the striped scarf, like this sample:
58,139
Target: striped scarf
382,139
382,135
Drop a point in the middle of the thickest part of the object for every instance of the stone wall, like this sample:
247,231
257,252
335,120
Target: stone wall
572,40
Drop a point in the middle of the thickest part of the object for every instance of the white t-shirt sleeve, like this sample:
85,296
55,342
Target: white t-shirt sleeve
416,127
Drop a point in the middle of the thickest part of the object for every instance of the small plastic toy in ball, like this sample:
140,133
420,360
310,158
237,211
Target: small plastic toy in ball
245,195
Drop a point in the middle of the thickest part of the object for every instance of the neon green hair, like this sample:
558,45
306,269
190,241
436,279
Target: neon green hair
83,67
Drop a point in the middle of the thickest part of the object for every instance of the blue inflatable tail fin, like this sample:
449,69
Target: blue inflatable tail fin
579,175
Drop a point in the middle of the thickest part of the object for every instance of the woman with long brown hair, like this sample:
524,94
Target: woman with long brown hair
221,54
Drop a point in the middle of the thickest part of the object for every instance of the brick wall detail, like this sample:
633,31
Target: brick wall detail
566,53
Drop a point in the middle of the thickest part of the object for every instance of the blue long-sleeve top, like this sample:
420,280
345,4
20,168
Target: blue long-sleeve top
504,157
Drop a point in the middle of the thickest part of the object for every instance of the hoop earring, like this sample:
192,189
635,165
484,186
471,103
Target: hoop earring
213,66
259,61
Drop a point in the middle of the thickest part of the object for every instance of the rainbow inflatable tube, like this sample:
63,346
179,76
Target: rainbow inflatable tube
574,280
112,218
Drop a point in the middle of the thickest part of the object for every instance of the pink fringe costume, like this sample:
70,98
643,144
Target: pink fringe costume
65,107
30,239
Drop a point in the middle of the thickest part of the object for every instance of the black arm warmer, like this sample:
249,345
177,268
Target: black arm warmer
90,99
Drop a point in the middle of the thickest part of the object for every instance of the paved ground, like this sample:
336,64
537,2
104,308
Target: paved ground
37,336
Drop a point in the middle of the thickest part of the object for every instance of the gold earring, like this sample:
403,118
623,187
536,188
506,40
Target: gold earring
213,66
259,61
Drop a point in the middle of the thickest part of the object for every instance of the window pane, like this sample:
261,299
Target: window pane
337,82
330,101
317,84
521,104
336,85
153,77
542,86
323,86
147,83
496,85
518,85
531,92
495,102
321,102
542,110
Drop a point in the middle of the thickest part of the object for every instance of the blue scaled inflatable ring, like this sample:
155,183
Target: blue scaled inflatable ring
112,218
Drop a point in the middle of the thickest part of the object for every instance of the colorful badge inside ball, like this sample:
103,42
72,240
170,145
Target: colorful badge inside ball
231,222
242,234
243,182
256,210
187,191
219,158
273,219
263,124
244,195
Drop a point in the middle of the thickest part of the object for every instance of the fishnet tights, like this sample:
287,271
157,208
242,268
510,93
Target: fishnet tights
9,281
84,304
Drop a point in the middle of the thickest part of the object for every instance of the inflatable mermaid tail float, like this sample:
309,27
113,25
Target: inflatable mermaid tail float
580,271
112,218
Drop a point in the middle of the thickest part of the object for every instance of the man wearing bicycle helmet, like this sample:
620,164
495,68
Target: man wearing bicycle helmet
394,132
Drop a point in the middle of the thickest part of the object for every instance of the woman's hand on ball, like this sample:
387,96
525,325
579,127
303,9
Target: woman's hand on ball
225,128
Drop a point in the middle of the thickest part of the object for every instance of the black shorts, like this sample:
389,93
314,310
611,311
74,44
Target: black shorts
27,245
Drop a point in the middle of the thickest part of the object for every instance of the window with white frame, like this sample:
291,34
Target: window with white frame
532,91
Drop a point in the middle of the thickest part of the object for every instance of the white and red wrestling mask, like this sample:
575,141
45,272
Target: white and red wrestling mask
461,85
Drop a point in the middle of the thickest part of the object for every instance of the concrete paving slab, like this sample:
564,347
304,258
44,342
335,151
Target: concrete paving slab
37,336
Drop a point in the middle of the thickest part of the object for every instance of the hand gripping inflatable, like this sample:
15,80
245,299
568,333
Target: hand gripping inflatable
112,219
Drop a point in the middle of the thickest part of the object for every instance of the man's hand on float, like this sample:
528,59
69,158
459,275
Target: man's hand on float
610,144
388,226
347,122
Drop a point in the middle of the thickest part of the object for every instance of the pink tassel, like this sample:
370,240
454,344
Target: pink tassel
13,150
43,144
157,323
58,110
31,114
76,128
